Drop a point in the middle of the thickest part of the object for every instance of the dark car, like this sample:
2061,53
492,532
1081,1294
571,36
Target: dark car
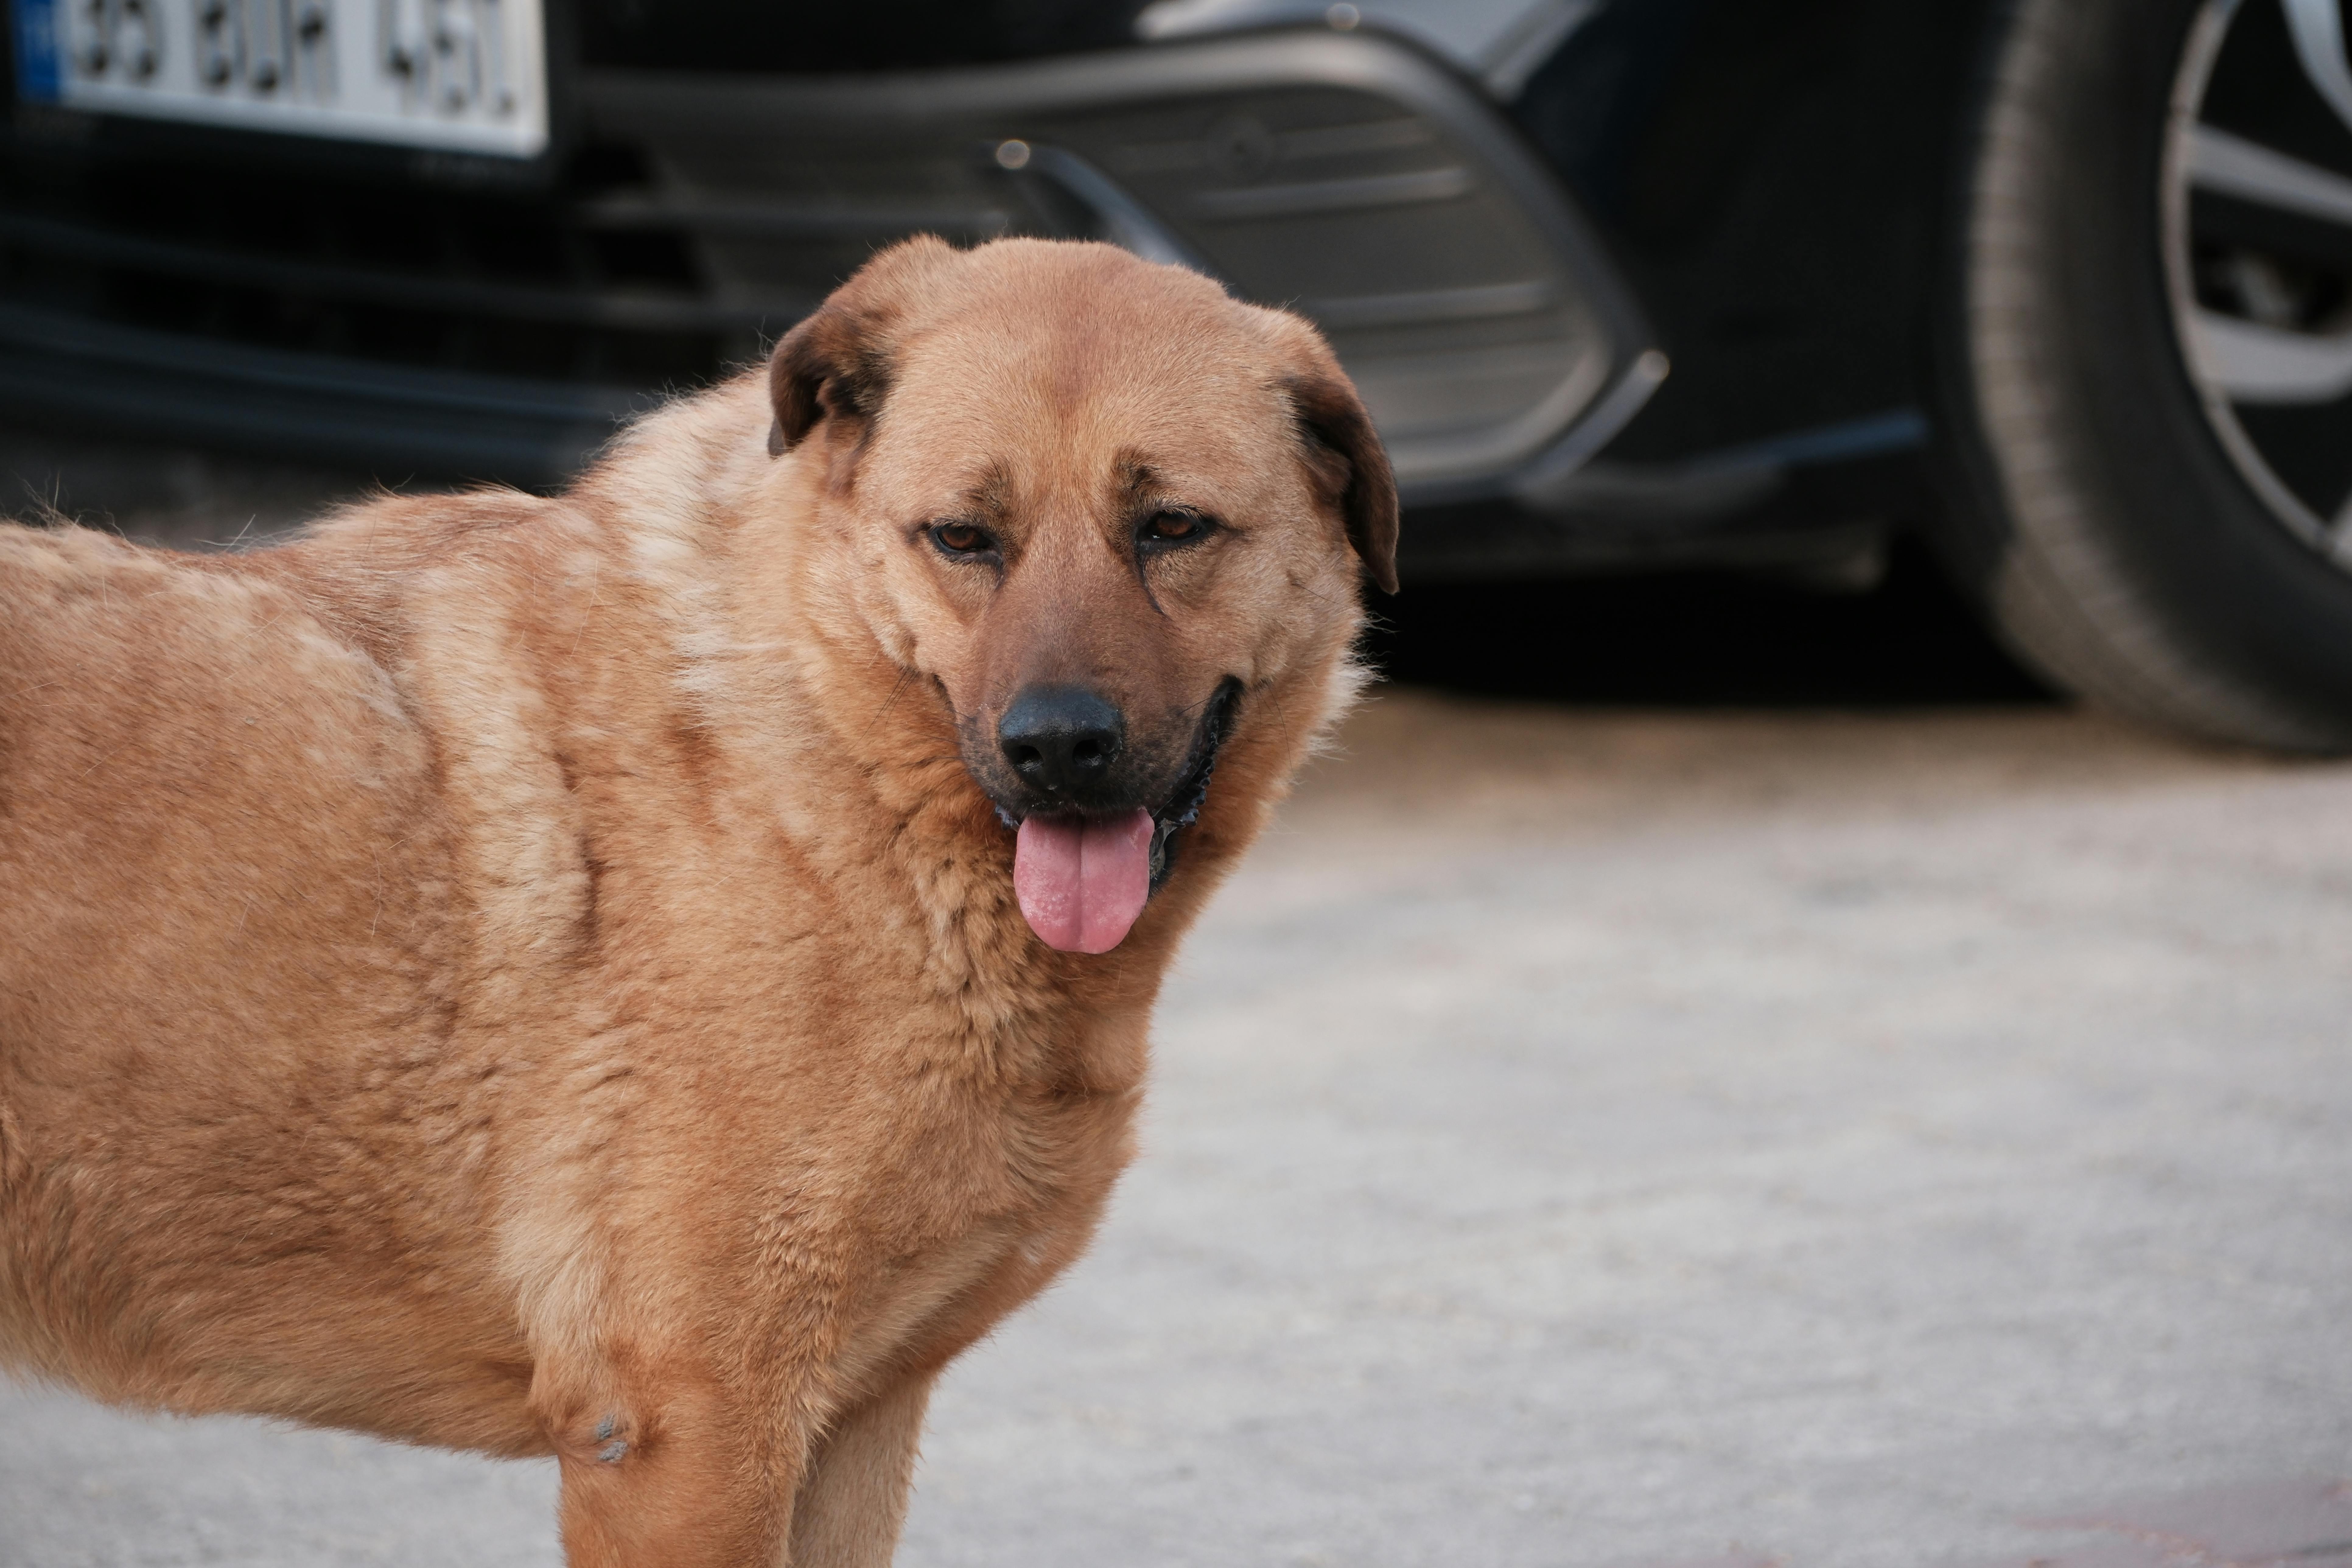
2060,283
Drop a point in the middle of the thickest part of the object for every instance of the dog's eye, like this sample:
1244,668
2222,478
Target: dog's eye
1173,528
962,538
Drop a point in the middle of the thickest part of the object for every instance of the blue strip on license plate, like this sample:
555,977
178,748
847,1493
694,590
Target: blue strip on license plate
36,49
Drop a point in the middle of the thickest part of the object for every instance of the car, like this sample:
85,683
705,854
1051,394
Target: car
2059,286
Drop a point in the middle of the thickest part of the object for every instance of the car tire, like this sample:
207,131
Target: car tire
2114,539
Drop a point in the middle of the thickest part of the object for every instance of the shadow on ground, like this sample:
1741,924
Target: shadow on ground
1702,639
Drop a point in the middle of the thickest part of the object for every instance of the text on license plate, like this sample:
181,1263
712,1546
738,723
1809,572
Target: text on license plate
463,75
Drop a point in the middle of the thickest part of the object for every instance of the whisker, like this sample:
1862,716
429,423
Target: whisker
896,687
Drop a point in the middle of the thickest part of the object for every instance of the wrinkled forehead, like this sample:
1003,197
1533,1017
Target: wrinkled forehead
1043,403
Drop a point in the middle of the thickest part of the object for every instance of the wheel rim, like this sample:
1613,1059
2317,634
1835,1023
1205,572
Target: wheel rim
2257,208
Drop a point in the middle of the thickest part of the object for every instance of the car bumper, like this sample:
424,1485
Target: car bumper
1347,176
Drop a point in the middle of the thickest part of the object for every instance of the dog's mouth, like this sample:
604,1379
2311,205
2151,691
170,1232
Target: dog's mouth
1083,881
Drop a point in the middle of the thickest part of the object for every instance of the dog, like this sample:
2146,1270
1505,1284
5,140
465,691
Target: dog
649,975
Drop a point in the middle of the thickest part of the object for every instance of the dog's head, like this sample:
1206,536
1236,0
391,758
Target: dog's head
1106,509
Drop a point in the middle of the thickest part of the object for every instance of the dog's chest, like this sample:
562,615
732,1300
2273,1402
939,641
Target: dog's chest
986,1237
902,1137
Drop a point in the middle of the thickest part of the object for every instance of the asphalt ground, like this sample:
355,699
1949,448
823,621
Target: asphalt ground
1828,1105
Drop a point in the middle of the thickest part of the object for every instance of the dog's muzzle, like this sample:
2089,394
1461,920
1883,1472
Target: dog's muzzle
1084,862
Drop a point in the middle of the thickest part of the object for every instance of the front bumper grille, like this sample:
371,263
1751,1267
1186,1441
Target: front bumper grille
1344,176
316,319
1341,175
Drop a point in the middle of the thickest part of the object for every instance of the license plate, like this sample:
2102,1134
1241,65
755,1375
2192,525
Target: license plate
459,75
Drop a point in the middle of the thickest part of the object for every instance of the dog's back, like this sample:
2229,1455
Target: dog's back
222,910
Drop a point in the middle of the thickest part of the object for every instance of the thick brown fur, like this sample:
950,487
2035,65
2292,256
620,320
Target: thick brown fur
539,977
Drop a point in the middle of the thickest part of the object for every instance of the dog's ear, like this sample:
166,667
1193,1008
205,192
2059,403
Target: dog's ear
828,367
1347,456
836,364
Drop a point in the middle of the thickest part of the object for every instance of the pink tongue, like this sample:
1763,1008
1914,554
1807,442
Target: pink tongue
1083,883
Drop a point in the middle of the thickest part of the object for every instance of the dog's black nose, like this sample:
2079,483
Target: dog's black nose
1061,740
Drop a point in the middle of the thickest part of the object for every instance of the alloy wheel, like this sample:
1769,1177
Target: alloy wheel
2257,193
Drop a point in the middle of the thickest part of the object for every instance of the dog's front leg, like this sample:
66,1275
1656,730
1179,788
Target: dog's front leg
676,1474
853,1497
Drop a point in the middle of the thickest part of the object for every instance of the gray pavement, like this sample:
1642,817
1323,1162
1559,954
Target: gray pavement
1623,1140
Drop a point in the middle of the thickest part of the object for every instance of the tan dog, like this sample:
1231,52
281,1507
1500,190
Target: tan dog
551,976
